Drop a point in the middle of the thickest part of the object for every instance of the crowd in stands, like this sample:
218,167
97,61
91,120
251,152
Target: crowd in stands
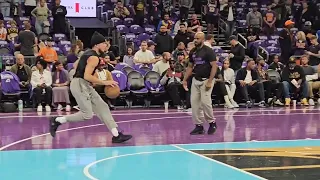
286,31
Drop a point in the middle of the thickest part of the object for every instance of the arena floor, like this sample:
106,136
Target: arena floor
276,144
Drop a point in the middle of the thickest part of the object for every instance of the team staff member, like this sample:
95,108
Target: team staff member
203,66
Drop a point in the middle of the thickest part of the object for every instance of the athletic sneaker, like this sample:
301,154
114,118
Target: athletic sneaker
53,126
197,130
311,102
212,128
121,138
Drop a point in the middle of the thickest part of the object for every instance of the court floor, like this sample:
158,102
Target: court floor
276,144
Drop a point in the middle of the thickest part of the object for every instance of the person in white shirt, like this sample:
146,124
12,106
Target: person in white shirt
144,56
41,81
229,80
209,40
163,65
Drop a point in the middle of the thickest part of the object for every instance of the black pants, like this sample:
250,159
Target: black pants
184,11
175,91
139,19
272,87
37,95
28,10
222,90
245,90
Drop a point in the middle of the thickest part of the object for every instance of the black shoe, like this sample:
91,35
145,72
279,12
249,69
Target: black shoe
212,128
121,138
197,130
53,126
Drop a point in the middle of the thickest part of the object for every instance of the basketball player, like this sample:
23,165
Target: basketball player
89,101
202,64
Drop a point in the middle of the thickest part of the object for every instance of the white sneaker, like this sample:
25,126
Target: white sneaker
60,107
39,109
48,108
68,108
228,105
311,102
269,100
179,107
234,104
278,102
318,102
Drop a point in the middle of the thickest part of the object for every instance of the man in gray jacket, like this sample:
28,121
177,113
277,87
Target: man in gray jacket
185,5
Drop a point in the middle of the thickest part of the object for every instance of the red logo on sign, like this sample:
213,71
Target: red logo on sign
77,7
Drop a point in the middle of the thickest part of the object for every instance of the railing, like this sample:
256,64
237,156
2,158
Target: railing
263,53
72,32
242,40
222,27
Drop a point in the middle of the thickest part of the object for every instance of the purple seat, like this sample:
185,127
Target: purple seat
65,46
110,14
273,50
128,22
8,60
130,37
120,66
275,37
152,82
121,78
116,21
219,64
6,20
69,66
136,29
244,64
136,83
127,69
263,37
122,29
143,37
5,48
217,50
242,23
59,37
273,43
150,29
58,50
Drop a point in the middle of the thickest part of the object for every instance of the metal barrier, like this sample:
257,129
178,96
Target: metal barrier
263,53
222,27
242,40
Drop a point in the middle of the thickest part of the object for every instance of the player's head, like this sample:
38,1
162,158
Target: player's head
99,43
199,38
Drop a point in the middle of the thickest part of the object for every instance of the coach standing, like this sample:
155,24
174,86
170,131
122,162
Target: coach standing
202,65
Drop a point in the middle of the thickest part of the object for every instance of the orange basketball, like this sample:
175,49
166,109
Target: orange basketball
112,92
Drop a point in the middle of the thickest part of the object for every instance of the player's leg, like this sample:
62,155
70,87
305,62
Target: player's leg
206,101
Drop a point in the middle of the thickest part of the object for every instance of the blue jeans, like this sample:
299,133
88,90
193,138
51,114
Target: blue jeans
287,87
5,9
40,28
229,28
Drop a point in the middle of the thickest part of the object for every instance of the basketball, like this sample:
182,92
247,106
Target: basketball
112,92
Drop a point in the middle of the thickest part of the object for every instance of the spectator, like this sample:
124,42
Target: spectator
269,85
164,41
177,26
269,19
252,36
29,5
151,47
143,56
305,14
73,54
28,41
294,80
155,12
229,13
229,80
48,52
41,81
194,24
41,14
59,13
3,31
139,11
237,53
60,90
212,15
121,11
209,40
79,43
248,79
1,16
276,65
167,6
254,19
190,46
183,36
185,6
167,23
312,77
180,48
286,40
128,58
5,8
33,29
301,43
113,49
163,65
314,52
278,6
112,58
12,31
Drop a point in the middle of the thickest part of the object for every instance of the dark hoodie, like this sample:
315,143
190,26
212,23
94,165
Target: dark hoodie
164,43
183,37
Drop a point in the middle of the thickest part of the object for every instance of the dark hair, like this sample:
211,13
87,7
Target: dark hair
54,67
209,37
40,60
131,49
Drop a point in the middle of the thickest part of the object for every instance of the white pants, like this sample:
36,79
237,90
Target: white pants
231,90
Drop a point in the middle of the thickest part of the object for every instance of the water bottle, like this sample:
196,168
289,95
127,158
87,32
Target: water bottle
20,105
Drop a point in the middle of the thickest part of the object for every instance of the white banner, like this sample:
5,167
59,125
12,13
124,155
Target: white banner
80,8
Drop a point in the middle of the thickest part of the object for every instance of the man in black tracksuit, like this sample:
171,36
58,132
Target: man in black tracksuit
164,41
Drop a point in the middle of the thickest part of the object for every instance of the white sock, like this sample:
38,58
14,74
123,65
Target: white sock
115,132
61,120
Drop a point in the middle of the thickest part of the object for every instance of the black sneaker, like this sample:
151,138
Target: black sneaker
121,138
53,126
212,128
197,130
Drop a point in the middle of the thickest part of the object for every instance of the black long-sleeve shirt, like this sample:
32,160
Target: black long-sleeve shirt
297,73
239,53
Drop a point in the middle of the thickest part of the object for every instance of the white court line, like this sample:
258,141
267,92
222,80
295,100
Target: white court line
82,127
86,169
218,162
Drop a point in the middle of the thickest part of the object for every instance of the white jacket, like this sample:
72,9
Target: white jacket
38,79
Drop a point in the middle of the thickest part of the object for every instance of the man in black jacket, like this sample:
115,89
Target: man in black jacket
164,41
237,53
183,36
248,79
59,18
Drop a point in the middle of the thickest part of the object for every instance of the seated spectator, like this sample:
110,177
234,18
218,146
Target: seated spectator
28,41
314,52
166,23
270,86
248,80
172,81
79,43
152,47
121,11
222,89
294,80
312,77
60,90
48,52
162,65
183,36
177,26
113,60
276,64
269,19
41,13
194,24
254,19
73,54
128,58
143,56
190,46
301,43
181,48
209,40
252,36
41,81
113,49
229,80
3,31
237,53
164,41
12,31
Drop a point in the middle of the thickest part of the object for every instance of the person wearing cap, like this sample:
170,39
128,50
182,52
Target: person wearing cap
294,80
314,52
237,53
89,101
286,41
48,52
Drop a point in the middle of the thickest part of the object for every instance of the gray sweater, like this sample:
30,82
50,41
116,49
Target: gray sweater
254,19
229,76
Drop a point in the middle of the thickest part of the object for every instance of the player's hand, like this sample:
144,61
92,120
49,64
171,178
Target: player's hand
185,85
208,85
110,83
